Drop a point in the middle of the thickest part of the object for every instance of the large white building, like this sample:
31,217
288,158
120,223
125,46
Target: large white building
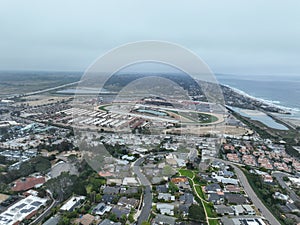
21,210
73,203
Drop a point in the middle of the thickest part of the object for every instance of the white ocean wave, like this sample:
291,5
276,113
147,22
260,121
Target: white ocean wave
273,103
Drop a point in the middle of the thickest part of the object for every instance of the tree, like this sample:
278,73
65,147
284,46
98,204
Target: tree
98,197
173,188
113,217
130,218
64,221
285,178
42,193
196,213
123,219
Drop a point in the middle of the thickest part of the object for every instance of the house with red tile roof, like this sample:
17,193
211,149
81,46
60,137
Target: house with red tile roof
27,183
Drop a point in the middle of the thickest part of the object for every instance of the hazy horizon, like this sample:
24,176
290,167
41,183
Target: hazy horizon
231,37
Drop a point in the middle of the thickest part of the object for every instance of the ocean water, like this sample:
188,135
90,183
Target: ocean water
283,91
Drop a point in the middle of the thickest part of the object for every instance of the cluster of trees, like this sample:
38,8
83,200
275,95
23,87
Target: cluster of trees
196,213
65,185
63,146
117,150
38,164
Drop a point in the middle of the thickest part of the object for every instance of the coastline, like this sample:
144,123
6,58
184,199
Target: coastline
290,119
293,111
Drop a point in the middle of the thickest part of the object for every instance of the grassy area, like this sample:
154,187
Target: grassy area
187,173
213,222
209,210
103,108
197,117
208,206
200,192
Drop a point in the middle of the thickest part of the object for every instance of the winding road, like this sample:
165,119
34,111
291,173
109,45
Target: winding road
147,203
279,177
252,195
47,211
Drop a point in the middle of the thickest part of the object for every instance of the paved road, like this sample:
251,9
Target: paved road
46,212
249,191
279,177
147,204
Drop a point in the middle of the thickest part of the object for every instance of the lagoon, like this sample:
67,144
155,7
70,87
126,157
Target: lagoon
261,117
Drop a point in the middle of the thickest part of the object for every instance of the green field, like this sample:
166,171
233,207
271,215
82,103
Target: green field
187,173
103,108
209,210
213,222
197,117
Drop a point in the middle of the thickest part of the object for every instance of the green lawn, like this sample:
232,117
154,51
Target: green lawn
103,108
208,207
209,210
200,192
213,222
197,117
187,173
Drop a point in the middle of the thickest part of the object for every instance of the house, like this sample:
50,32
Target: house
86,219
120,212
177,180
280,196
128,202
108,199
187,199
184,209
163,220
292,207
249,210
237,199
226,173
23,209
162,189
232,188
242,220
225,180
238,210
24,184
166,197
215,198
101,209
208,178
114,181
165,208
213,188
181,182
218,164
224,210
267,178
31,192
129,190
111,190
73,203
54,220
130,181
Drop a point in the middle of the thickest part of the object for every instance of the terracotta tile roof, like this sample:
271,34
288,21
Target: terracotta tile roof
177,180
27,183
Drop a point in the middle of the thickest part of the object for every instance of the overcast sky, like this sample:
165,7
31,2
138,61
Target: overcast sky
232,36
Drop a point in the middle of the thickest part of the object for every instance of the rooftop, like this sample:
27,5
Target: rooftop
21,210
